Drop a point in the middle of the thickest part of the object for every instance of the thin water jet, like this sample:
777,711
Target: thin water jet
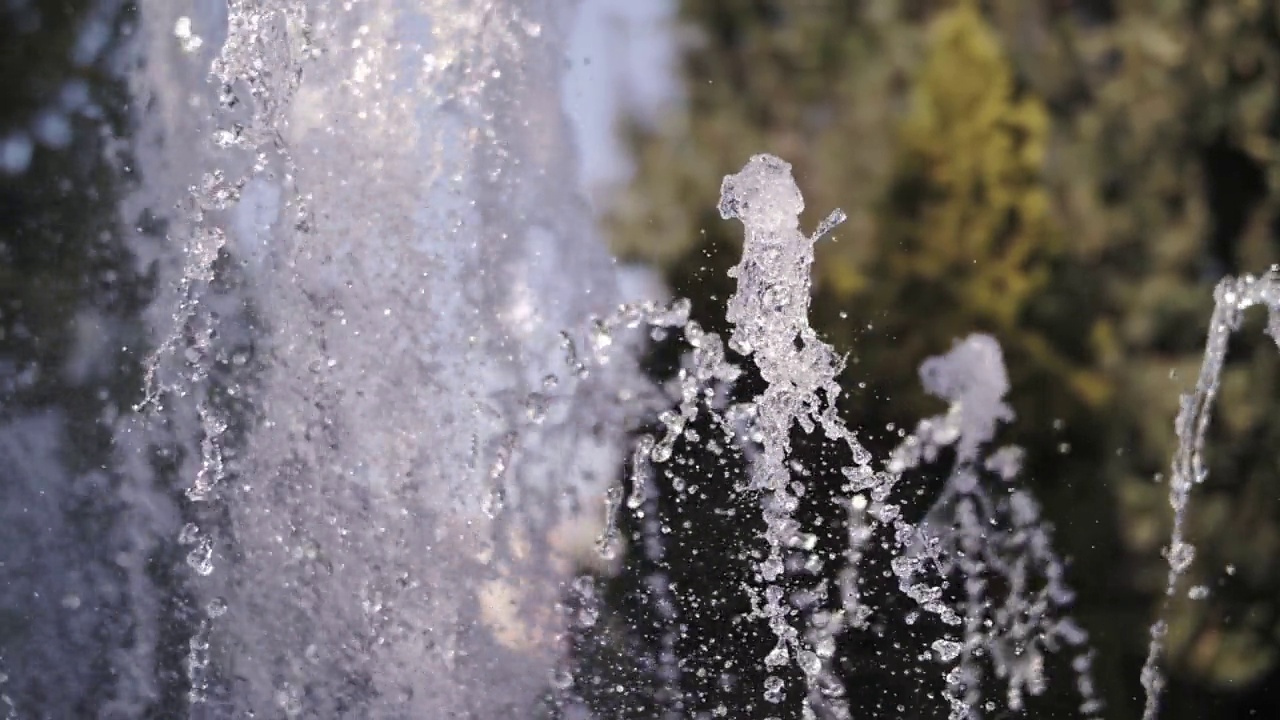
1232,298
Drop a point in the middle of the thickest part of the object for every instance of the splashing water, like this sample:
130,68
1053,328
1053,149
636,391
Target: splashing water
970,532
986,532
1232,298
353,364
970,536
377,427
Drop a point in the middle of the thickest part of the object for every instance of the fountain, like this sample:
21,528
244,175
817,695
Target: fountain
982,536
392,377
358,381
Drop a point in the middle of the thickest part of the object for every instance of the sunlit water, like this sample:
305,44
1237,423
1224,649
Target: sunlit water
388,395
361,467
383,452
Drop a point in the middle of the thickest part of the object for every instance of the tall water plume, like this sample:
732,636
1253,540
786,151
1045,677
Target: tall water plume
357,383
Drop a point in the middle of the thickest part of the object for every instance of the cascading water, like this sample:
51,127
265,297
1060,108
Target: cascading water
356,382
378,426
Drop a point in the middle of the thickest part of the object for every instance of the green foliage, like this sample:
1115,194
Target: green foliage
966,205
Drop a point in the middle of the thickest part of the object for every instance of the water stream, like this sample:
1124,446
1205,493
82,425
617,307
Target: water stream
391,382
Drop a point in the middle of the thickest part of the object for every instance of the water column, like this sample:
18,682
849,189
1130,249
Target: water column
359,349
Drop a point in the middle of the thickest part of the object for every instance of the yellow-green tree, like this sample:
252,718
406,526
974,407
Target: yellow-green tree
964,238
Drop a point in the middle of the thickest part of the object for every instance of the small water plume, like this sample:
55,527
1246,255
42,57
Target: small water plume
982,532
985,534
770,316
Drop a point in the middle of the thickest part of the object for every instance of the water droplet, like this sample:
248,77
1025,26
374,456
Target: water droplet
493,503
1180,556
189,535
771,569
216,607
774,690
200,558
777,657
809,662
536,407
947,650
189,41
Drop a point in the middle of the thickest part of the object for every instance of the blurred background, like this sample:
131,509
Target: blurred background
1070,176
